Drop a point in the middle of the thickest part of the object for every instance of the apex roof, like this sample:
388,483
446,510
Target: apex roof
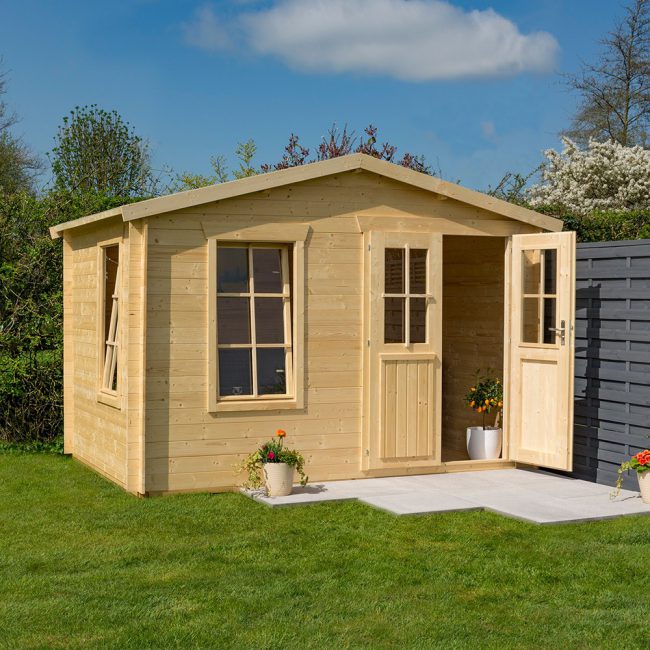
192,198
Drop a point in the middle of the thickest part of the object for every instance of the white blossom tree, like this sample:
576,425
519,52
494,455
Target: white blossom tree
604,176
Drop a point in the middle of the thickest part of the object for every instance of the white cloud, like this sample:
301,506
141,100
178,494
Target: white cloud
414,40
206,31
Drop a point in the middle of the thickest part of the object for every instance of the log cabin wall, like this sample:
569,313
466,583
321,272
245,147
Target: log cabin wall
95,432
189,448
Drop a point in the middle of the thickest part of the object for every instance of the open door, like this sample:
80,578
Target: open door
402,364
540,380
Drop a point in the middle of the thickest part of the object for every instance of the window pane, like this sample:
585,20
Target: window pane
549,320
271,378
418,270
531,270
530,321
111,267
233,320
394,320
269,320
418,320
235,372
267,270
232,270
394,270
550,270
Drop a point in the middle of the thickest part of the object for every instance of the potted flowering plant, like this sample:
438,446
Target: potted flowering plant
274,465
640,463
484,397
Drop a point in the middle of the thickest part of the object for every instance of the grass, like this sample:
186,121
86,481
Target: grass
82,564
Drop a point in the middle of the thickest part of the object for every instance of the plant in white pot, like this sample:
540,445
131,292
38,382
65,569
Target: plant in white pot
274,465
484,397
640,463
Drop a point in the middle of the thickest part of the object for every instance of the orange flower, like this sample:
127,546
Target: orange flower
500,404
472,403
487,401
280,433
479,410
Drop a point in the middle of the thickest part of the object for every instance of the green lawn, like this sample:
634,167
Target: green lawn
82,564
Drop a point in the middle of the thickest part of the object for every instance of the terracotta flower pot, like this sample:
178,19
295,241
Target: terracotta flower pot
279,479
483,444
644,485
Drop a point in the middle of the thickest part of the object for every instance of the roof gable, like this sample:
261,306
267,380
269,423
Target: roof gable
193,198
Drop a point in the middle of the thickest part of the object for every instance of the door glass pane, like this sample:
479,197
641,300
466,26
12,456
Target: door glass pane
531,264
550,270
232,270
549,320
267,270
418,320
233,321
394,320
394,270
269,320
271,371
235,372
530,320
418,270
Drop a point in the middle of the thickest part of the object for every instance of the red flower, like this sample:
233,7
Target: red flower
271,455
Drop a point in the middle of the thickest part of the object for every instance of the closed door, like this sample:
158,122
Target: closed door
540,386
402,364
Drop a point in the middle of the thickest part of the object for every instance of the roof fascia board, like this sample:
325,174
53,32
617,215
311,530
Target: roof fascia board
57,231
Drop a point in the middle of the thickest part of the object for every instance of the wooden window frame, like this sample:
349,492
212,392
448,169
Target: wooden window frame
540,296
105,395
293,240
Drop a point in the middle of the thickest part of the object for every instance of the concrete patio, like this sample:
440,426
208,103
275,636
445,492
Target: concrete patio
535,496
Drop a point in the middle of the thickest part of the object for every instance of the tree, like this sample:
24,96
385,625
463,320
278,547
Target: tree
18,165
615,92
605,176
341,143
97,152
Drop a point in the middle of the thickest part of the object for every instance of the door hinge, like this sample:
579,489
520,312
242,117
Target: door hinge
368,342
368,246
366,452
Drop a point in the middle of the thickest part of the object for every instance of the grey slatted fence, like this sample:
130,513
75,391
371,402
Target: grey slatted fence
612,364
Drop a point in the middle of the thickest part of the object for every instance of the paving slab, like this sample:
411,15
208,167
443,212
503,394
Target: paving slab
420,503
534,496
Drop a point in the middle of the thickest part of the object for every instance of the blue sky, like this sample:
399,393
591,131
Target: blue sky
477,92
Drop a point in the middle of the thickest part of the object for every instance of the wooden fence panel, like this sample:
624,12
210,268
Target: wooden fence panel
612,368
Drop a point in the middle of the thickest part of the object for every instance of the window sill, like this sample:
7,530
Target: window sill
109,399
255,405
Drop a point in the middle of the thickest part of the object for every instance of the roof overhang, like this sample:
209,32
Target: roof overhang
261,182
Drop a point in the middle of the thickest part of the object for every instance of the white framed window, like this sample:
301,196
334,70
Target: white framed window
108,321
255,332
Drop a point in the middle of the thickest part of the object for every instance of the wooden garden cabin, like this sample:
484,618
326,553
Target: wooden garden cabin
349,302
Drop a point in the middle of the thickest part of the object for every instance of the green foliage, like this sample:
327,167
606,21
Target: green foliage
31,311
608,226
54,446
98,153
486,394
272,451
245,153
639,463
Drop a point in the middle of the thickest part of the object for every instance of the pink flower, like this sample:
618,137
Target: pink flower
271,455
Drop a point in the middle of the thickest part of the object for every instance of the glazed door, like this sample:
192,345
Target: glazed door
402,364
540,384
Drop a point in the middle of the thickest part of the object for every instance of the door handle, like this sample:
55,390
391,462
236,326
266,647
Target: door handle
560,330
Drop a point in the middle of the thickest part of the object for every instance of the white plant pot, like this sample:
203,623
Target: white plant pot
483,444
644,485
279,479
